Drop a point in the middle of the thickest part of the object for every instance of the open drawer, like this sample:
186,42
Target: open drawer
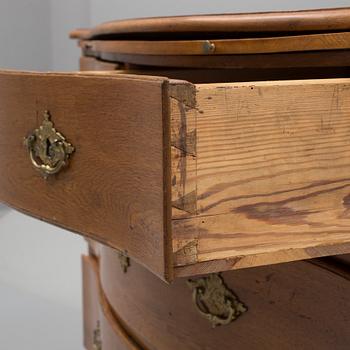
185,178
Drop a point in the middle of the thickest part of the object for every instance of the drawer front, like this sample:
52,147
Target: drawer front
101,330
91,304
291,306
112,186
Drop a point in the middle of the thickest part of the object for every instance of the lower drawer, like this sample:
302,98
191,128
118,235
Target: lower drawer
101,329
344,259
290,306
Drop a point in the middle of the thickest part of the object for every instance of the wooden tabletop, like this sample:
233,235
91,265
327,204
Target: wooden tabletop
222,26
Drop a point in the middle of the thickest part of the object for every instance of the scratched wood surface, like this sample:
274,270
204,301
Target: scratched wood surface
271,175
294,43
290,306
113,189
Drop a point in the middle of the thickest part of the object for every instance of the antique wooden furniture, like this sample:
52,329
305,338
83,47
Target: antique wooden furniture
188,147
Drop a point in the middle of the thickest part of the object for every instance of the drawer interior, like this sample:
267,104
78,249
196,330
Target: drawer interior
241,73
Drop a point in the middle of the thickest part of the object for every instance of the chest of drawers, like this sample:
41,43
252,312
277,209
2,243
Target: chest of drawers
188,147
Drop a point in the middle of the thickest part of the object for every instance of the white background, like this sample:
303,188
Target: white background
40,280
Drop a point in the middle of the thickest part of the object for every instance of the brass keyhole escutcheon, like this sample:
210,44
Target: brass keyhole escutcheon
48,149
97,342
124,261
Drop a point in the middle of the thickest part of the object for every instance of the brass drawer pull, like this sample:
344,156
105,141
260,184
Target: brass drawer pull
48,149
215,301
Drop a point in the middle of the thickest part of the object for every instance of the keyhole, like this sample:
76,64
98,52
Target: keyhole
48,145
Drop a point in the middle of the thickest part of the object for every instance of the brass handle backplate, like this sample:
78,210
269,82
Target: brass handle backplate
48,149
215,301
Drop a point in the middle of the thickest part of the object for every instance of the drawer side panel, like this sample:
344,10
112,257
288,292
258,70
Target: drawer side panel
272,175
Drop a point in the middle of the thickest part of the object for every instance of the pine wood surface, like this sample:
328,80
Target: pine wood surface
97,311
310,42
331,58
269,178
201,177
113,189
290,306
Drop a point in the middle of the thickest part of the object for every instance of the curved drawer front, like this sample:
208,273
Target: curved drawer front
290,306
112,186
101,330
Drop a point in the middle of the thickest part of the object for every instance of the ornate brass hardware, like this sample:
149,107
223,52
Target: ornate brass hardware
124,261
48,149
215,301
208,47
97,342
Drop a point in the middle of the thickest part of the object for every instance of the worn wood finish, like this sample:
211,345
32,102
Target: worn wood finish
290,306
202,76
114,189
228,24
97,311
270,177
187,251
222,176
336,58
313,42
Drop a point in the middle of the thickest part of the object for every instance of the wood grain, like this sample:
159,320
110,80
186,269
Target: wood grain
310,42
290,306
202,178
272,175
183,148
333,58
238,24
98,311
114,187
